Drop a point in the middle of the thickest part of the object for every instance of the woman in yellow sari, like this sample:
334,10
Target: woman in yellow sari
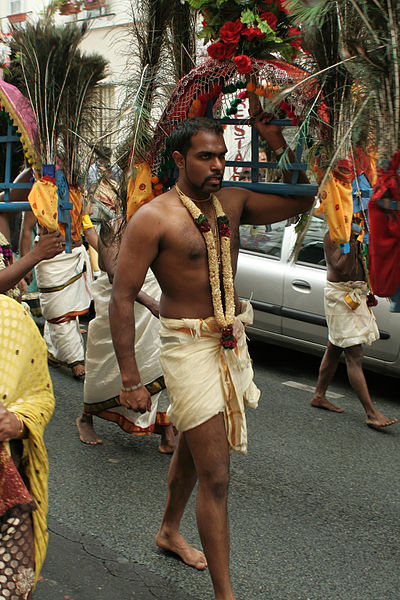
26,405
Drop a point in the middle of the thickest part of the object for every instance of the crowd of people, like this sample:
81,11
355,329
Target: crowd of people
166,352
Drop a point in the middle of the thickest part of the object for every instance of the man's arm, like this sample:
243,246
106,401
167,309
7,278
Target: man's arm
25,239
259,208
139,248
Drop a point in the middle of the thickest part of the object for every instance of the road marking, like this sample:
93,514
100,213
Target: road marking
309,388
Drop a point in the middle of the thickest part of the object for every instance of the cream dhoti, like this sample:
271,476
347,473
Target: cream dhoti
103,379
347,326
64,292
204,379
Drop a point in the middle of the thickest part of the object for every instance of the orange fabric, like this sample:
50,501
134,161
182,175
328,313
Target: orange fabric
43,199
76,215
140,190
337,205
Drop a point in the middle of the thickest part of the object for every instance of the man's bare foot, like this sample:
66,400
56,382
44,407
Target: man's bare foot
87,433
168,441
78,371
322,402
377,420
178,545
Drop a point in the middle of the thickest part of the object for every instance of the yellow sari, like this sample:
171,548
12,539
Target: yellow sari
26,390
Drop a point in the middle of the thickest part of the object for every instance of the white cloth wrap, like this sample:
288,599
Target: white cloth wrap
348,327
56,272
204,379
103,379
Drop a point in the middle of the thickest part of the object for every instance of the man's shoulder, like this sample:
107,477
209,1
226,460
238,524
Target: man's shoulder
156,209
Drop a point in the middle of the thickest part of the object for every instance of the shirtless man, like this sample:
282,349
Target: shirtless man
162,235
348,327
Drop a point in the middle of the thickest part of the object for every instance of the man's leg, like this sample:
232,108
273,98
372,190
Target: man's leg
327,370
354,356
182,477
87,432
210,451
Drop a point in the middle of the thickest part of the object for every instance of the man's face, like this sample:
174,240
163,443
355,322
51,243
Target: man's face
262,156
204,163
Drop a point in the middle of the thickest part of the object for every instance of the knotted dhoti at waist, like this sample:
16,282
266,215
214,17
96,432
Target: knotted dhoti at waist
204,379
347,326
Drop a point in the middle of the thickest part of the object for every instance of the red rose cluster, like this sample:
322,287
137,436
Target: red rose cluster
233,34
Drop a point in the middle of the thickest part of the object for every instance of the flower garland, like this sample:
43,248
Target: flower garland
224,319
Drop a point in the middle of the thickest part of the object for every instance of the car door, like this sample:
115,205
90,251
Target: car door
303,315
261,264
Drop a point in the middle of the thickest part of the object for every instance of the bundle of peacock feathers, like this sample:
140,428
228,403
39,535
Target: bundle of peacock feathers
61,83
355,58
163,46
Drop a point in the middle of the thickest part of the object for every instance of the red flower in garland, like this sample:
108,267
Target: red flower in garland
230,31
219,51
228,340
252,33
224,230
243,63
270,18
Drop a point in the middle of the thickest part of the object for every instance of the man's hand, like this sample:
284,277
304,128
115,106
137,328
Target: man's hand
29,278
139,400
9,425
49,245
270,132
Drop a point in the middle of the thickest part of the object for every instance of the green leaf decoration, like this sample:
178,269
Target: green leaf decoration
197,4
286,51
247,17
265,28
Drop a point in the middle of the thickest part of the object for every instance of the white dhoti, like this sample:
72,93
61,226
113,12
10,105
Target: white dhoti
204,379
349,327
64,292
103,380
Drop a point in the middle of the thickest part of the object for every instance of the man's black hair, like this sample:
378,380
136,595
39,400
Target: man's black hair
182,134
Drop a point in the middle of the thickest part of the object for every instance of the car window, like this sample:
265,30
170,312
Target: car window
312,246
265,239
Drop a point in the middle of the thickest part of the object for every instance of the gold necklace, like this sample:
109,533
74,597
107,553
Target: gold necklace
225,318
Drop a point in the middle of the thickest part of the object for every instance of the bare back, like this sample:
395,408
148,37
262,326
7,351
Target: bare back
343,267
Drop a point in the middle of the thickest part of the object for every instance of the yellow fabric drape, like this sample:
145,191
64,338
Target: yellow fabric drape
337,205
26,390
139,190
43,199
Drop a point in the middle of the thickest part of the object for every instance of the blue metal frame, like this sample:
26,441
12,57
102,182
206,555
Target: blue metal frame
7,185
292,189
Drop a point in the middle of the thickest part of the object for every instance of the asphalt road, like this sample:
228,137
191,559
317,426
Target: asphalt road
313,506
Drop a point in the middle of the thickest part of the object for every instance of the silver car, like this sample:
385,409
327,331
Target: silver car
288,296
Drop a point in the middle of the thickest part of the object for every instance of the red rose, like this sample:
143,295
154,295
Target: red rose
219,51
270,18
294,33
230,31
243,63
252,33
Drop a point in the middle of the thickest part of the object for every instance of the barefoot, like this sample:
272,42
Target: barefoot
377,420
168,441
78,371
87,433
322,402
178,545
